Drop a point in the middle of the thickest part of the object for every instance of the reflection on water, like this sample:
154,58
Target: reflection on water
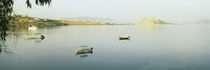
7,56
158,47
83,55
6,10
151,27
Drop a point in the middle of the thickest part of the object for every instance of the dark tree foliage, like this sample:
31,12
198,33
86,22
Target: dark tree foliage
38,2
6,9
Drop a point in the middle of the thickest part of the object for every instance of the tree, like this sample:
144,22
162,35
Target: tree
6,9
38,2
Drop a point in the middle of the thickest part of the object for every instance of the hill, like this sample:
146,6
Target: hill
152,20
94,19
20,20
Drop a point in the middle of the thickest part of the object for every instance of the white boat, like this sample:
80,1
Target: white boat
32,28
124,37
36,36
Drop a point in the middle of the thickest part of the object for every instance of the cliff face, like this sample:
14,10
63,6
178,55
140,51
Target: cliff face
152,20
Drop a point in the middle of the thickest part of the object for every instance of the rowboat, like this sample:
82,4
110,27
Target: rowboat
123,37
84,51
36,36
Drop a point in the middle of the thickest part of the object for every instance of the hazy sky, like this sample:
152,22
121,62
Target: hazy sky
177,11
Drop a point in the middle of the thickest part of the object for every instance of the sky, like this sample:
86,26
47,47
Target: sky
175,11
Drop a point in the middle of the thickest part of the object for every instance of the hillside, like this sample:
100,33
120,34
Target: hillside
94,19
20,20
85,22
152,20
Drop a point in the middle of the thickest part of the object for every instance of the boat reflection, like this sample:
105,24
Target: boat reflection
83,55
153,27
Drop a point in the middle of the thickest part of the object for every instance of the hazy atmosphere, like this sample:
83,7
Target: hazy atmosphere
176,11
104,34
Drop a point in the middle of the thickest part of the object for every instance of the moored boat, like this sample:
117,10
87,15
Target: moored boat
84,51
32,28
124,37
36,36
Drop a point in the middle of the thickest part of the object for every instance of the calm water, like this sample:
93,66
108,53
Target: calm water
151,47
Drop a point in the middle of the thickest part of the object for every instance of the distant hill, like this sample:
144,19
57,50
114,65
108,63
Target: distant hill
92,21
95,19
152,20
21,20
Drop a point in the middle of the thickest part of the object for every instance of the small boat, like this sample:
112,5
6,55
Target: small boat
32,28
124,37
84,51
35,37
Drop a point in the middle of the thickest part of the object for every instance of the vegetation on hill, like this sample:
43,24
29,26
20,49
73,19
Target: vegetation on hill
86,22
20,20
